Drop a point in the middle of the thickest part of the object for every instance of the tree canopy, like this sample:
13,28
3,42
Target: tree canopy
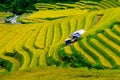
22,6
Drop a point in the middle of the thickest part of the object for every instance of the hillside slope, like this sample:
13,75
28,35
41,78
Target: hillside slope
32,45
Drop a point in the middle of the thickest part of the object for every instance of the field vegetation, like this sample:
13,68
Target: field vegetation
39,42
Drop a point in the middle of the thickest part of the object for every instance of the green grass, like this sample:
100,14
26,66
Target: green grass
86,50
82,52
105,61
98,57
112,36
106,51
11,64
110,3
109,43
116,29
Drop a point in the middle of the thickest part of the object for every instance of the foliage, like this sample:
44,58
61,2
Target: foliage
22,6
93,0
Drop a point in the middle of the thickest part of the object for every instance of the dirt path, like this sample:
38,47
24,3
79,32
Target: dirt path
98,17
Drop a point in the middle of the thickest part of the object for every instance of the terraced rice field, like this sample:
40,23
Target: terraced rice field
41,43
82,4
48,12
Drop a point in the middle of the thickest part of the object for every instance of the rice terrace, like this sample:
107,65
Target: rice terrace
34,35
